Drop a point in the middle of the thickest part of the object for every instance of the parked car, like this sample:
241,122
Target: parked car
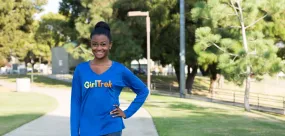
139,71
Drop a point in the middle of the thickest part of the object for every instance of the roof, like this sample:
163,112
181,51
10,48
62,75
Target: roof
73,43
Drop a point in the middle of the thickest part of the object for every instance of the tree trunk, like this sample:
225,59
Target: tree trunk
245,46
33,64
247,90
213,71
190,78
56,43
204,72
220,81
177,72
26,63
48,62
213,80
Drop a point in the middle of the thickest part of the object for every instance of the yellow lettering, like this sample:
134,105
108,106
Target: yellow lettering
106,84
110,84
99,83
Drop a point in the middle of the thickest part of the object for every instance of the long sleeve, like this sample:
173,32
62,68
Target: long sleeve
75,104
137,86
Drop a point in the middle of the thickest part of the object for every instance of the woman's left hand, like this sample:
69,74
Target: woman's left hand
118,112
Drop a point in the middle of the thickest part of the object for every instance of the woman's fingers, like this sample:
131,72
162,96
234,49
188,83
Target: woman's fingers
117,112
117,115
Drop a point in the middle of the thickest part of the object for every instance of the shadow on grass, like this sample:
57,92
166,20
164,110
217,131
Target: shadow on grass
159,79
164,84
183,119
48,125
177,106
201,84
217,125
173,117
11,122
184,106
38,79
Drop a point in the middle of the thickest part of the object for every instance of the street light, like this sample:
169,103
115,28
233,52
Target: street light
32,75
182,49
146,14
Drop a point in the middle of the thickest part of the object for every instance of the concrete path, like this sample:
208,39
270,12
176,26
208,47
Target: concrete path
56,123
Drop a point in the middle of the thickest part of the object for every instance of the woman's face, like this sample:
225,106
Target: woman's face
100,46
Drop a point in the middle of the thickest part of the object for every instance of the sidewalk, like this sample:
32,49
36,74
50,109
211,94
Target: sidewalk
56,123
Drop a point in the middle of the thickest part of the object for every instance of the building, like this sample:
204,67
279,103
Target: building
62,61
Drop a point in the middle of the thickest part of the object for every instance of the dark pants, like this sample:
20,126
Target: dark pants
114,134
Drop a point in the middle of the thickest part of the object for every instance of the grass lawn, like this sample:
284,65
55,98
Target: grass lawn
186,117
200,81
200,88
19,108
268,86
201,84
41,81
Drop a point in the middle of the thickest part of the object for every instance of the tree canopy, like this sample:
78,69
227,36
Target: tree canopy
232,37
17,27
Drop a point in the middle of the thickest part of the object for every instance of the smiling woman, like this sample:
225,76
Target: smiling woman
101,40
96,87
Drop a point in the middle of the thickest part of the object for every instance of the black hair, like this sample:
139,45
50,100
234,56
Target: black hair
101,28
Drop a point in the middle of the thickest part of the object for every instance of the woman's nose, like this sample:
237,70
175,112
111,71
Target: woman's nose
99,47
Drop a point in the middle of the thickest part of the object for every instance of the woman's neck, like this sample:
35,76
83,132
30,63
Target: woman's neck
101,61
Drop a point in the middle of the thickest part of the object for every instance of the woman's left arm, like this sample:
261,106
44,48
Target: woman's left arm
137,86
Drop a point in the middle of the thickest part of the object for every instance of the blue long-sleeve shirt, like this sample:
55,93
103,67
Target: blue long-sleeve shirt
93,96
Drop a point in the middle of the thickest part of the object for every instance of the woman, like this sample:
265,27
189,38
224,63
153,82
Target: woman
96,86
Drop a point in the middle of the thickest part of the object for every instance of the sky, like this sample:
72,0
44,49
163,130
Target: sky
52,6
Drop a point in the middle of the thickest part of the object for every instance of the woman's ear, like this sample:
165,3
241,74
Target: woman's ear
110,46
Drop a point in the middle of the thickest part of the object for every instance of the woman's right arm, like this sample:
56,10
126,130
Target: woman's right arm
75,104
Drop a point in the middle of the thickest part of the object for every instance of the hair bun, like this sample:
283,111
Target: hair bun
102,24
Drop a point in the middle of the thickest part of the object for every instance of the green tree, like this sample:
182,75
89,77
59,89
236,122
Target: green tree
16,25
85,14
164,16
232,39
274,26
52,31
125,48
281,53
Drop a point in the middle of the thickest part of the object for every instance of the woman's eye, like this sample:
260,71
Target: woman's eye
97,44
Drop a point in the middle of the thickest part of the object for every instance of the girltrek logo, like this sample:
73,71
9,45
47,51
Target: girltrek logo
97,83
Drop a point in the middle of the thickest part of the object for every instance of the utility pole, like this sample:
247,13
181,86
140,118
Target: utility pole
182,49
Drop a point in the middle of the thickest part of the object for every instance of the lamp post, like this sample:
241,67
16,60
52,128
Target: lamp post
146,14
32,75
182,49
